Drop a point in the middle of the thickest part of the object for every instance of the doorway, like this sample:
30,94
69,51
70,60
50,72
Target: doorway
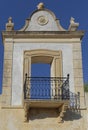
40,81
41,66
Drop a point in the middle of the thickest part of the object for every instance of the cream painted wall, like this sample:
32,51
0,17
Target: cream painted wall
35,26
17,73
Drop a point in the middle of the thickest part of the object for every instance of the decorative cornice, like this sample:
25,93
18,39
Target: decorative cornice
42,34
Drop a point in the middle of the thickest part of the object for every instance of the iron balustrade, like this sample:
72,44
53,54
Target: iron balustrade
52,88
74,100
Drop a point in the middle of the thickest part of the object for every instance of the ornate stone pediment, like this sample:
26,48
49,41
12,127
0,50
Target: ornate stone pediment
42,19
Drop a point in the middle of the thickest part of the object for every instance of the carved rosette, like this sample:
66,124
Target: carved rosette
42,20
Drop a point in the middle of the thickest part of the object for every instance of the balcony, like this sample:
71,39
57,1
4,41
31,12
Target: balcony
49,92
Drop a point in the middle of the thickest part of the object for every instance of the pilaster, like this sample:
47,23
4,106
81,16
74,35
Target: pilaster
78,73
7,73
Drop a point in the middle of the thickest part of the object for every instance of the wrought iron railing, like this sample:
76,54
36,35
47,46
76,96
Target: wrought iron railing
52,88
74,100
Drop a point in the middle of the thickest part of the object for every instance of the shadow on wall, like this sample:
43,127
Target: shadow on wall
71,115
41,113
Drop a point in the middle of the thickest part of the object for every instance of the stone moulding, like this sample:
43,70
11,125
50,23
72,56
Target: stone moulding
42,34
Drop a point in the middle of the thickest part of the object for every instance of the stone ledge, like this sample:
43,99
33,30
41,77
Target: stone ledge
12,107
42,34
45,103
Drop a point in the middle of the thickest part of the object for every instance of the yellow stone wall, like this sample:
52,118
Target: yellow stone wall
41,119
78,72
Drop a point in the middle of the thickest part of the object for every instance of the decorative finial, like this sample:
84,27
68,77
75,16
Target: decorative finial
73,25
72,20
40,6
10,20
9,25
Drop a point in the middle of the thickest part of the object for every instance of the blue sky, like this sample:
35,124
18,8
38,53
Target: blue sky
19,10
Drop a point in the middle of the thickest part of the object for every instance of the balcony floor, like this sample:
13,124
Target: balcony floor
49,103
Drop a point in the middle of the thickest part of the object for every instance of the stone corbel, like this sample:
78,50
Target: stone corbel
73,25
61,110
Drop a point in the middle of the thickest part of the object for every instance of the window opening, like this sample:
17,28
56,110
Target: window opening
40,81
